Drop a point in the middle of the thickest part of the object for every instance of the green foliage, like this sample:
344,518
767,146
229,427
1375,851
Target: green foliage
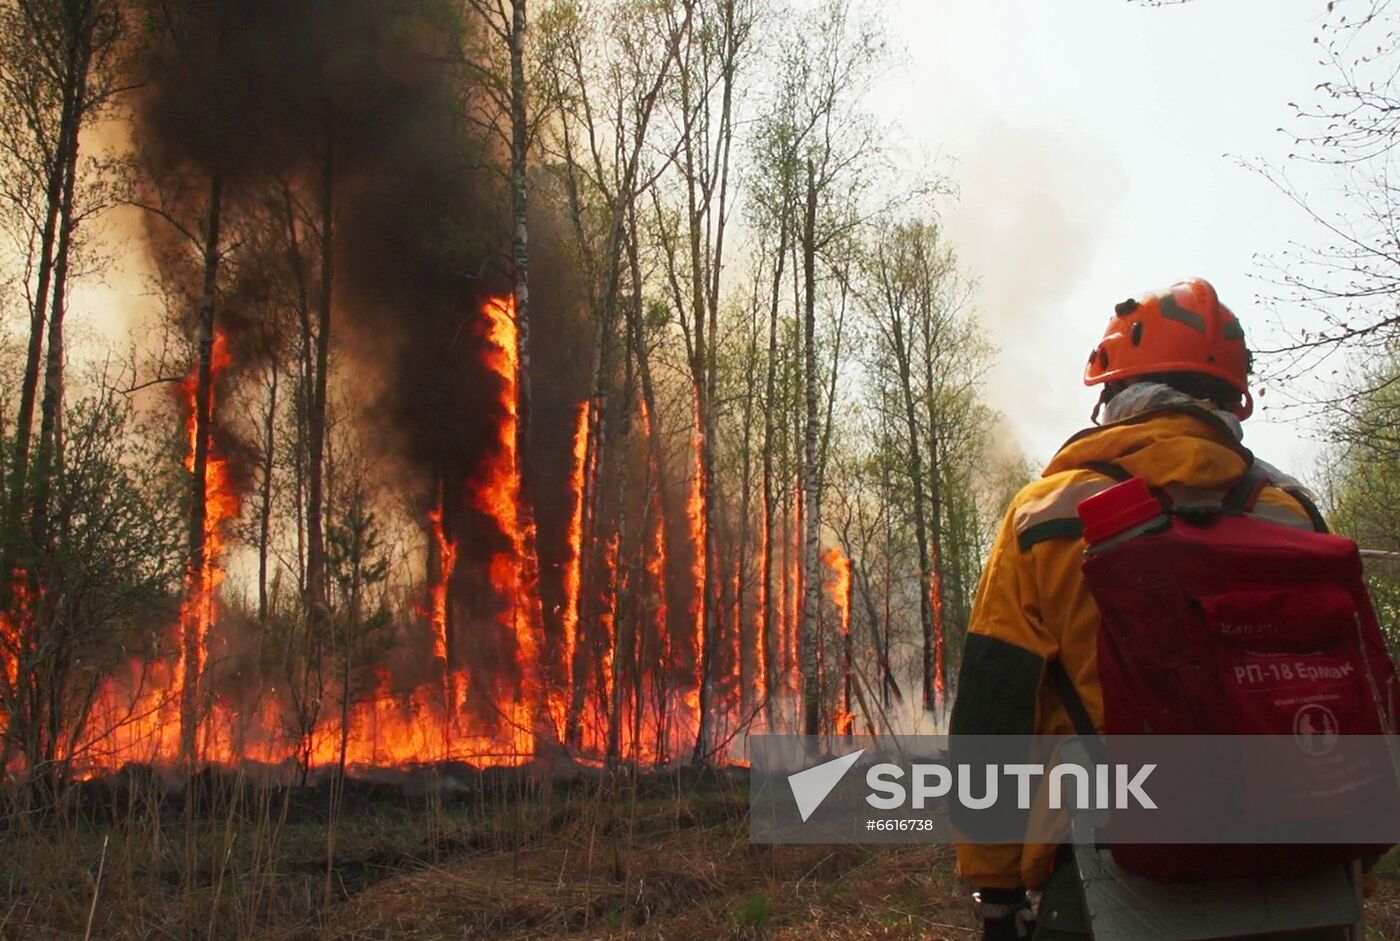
1363,485
753,913
102,581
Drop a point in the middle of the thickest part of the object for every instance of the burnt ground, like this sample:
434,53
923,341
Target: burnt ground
669,859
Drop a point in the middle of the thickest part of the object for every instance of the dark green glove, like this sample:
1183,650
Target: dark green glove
1006,914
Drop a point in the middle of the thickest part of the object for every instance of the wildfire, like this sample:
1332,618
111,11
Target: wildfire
609,624
14,625
765,591
656,570
574,565
838,586
936,589
515,571
440,590
796,594
221,502
447,563
695,514
642,691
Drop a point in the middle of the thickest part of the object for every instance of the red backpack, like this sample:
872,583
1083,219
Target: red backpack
1218,618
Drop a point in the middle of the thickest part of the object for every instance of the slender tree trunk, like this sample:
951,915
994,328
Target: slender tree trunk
520,250
192,641
848,653
50,455
302,397
767,637
595,453
811,554
24,421
936,592
921,529
745,523
317,610
935,511
265,505
618,582
338,784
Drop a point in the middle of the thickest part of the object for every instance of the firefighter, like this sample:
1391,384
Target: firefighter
1174,372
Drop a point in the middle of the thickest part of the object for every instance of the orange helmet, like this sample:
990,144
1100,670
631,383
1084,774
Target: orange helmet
1182,329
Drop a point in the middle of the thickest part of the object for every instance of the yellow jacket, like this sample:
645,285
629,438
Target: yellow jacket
1032,605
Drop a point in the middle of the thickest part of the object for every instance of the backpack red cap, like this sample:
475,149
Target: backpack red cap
1117,509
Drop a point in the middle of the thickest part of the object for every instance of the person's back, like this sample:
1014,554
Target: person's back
1174,370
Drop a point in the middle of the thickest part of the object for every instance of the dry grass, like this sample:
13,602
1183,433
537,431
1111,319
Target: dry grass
593,864
667,872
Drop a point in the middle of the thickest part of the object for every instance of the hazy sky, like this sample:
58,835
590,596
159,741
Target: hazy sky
1097,147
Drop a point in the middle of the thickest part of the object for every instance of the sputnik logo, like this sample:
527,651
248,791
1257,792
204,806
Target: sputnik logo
810,787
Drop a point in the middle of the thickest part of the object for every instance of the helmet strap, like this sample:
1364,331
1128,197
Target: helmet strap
1098,406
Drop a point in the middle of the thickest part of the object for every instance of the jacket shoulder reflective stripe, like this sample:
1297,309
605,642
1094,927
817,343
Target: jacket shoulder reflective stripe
1277,513
1055,515
1059,504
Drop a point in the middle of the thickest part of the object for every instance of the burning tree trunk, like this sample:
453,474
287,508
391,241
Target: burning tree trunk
573,570
617,578
702,568
932,329
442,552
658,500
194,615
840,586
515,572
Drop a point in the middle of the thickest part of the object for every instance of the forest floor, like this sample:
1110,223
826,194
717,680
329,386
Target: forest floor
581,866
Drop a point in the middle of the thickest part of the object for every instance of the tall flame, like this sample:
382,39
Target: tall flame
441,591
656,570
514,571
221,505
796,595
838,586
695,514
573,566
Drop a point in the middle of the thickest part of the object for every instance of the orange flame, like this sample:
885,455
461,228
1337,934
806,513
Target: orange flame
441,585
574,565
221,502
515,571
656,570
695,514
936,590
838,586
796,596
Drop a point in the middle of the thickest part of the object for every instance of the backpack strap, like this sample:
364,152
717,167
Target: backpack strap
1309,507
1074,705
1110,470
1244,494
1243,497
